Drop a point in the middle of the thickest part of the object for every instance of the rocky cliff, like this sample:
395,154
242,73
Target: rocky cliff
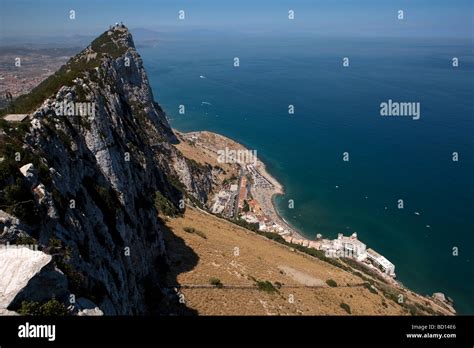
80,178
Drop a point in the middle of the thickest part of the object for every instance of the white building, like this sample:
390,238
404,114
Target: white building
220,202
350,246
250,218
381,262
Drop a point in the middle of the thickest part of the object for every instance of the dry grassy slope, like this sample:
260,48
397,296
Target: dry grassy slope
262,259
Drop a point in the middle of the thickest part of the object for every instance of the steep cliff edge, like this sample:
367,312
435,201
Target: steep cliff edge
80,178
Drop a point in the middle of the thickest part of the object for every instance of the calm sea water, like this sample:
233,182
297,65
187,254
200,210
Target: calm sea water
337,110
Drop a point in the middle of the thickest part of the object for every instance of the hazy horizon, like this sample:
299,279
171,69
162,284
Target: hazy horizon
27,19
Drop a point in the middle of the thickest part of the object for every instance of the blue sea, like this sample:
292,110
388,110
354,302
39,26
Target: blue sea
337,110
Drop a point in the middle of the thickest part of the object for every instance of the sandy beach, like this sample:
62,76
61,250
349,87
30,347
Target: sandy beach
266,199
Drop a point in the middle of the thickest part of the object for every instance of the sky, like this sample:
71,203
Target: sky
423,18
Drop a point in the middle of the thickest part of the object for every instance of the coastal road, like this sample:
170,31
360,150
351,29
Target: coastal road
236,208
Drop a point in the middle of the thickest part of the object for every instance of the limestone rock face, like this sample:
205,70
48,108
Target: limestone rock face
18,266
11,228
104,147
28,275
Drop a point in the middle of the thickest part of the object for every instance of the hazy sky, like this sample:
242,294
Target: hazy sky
438,18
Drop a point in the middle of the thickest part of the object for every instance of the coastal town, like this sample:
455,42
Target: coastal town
23,68
249,195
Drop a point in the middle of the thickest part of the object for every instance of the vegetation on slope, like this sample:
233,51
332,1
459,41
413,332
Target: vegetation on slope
164,206
76,67
15,195
50,308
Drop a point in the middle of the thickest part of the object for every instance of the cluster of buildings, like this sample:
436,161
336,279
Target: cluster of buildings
235,199
348,246
224,201
250,209
256,215
258,179
20,73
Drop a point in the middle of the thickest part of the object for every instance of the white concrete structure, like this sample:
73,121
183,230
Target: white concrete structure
381,262
350,246
15,117
250,218
26,168
220,202
18,265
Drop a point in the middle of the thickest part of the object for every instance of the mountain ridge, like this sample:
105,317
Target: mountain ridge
91,178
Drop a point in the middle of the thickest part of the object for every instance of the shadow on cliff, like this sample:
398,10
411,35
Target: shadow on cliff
180,258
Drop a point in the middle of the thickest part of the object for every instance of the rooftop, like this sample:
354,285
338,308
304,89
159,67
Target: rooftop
380,259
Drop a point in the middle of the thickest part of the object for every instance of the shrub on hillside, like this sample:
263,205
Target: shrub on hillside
164,206
346,307
216,282
50,308
195,231
266,286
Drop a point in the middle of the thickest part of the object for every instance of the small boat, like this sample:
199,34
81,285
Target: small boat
202,76
417,213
